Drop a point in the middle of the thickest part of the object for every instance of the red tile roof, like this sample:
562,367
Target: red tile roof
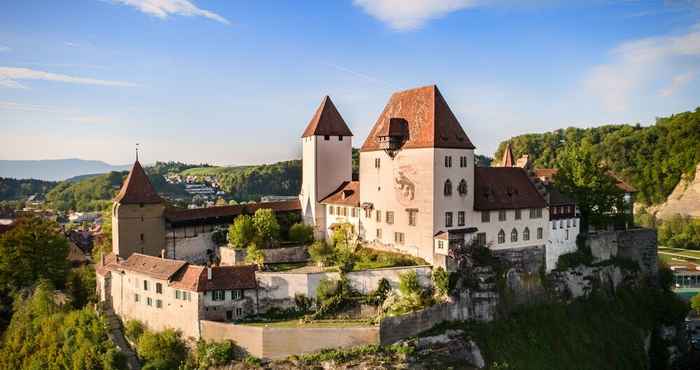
327,121
181,214
429,120
138,188
195,278
347,194
547,174
505,188
110,263
156,267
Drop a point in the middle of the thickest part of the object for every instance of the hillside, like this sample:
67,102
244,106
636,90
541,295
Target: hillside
653,159
13,189
55,169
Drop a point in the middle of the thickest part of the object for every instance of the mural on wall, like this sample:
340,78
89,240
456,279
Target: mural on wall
404,185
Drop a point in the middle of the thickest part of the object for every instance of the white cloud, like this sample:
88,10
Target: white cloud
4,49
411,14
163,8
636,65
9,77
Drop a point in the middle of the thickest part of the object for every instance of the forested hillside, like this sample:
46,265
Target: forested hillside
14,189
652,158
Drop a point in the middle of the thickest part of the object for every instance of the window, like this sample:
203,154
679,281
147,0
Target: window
377,162
441,244
463,161
518,214
448,188
567,234
236,294
340,138
378,213
178,294
561,224
159,288
574,222
379,233
390,217
535,212
343,211
513,235
481,239
502,215
187,295
353,212
368,213
448,161
460,218
412,213
331,210
554,210
399,238
501,237
485,216
149,301
218,295
526,234
448,219
554,225
326,137
568,224
159,303
145,285
539,233
239,311
462,188
136,298
141,237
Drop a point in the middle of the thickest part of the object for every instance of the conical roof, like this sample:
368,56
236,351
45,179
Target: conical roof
507,160
138,188
428,119
327,121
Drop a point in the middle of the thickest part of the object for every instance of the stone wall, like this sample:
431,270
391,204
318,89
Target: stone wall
638,245
526,259
230,256
279,343
578,281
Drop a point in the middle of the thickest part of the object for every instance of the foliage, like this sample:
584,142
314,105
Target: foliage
32,250
266,227
164,168
680,232
378,296
695,303
413,296
80,285
665,276
322,253
482,160
19,189
301,233
652,158
582,256
133,329
252,361
408,283
368,258
588,182
241,232
103,244
332,295
161,350
43,335
89,194
213,354
220,235
441,280
255,255
302,302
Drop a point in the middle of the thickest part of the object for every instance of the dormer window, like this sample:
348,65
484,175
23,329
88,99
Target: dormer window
392,135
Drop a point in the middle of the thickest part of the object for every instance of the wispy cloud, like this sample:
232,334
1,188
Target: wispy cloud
638,64
403,15
67,115
164,8
359,75
9,77
71,44
4,49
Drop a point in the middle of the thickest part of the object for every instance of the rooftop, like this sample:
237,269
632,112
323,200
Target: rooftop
137,189
327,121
347,194
505,188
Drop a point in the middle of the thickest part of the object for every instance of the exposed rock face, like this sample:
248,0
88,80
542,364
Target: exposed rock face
684,200
638,245
578,282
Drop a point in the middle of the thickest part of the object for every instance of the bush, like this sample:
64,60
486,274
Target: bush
213,354
301,233
322,253
680,232
133,330
326,290
441,280
408,283
241,232
378,296
695,303
582,256
80,284
267,229
302,302
255,255
163,350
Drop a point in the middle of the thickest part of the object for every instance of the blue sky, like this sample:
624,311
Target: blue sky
235,82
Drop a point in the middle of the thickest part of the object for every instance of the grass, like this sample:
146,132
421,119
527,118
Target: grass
368,258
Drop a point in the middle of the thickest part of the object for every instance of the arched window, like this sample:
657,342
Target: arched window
514,236
526,234
462,188
501,237
554,225
448,188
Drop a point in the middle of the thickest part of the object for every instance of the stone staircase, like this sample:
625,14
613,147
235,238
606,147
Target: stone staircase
116,334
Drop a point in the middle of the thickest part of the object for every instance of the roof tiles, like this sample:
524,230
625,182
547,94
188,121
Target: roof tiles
137,188
327,121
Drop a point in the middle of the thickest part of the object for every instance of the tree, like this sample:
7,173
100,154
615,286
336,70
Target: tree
255,255
344,242
695,303
32,250
266,227
241,232
322,253
301,233
589,183
162,350
81,286
441,280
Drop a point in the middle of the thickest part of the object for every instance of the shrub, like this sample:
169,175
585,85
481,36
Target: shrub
326,290
220,235
582,256
695,303
267,229
255,255
441,280
241,232
302,302
408,283
163,350
322,253
133,330
213,354
301,233
378,296
252,361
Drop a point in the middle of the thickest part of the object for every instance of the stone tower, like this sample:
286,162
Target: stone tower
326,159
138,224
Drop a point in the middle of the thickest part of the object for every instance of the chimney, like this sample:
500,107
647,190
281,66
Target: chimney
162,253
208,272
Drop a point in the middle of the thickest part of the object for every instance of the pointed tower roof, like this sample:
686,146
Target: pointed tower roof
430,122
507,160
327,121
137,188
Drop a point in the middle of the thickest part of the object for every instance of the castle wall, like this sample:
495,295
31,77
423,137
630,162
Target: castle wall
138,229
453,203
562,240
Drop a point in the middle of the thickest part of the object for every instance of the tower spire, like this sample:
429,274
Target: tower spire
508,160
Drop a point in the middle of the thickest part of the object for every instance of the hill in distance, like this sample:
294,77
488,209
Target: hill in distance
55,169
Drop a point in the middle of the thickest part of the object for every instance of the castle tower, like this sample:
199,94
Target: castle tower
507,160
326,160
138,225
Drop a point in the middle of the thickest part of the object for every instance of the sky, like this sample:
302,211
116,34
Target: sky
235,82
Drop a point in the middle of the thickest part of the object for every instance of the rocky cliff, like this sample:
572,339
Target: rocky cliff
685,199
